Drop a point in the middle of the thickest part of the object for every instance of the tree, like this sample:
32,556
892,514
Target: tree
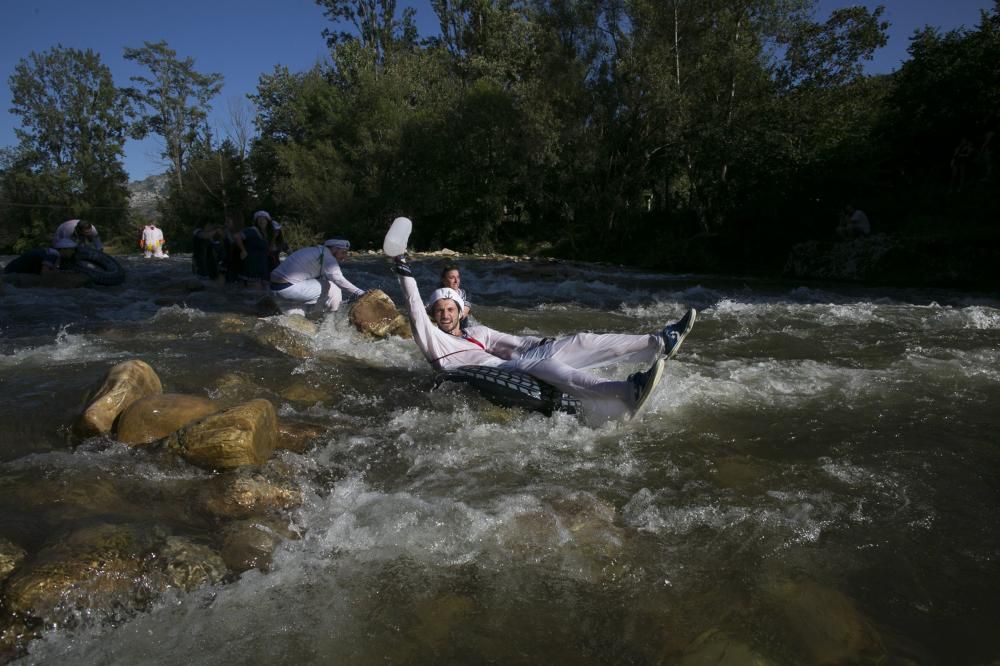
74,122
376,27
175,99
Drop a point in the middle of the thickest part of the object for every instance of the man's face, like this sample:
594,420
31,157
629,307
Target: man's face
444,312
340,254
451,279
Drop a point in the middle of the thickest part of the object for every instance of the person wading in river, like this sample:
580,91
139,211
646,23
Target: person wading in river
312,273
559,362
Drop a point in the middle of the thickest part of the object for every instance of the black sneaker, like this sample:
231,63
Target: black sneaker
673,334
643,383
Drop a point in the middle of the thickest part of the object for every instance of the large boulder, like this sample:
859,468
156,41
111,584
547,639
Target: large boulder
376,316
243,435
156,416
122,385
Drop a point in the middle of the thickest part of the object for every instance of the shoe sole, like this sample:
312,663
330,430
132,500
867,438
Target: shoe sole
651,382
683,334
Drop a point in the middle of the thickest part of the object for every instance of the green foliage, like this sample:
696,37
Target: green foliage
68,162
175,101
695,134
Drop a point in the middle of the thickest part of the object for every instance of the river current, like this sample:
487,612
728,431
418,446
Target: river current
814,481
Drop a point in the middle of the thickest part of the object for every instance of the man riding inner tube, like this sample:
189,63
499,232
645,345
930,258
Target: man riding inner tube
558,362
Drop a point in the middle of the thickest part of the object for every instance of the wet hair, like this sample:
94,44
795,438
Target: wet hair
449,268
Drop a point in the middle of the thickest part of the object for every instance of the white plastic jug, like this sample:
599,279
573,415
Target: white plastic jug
397,237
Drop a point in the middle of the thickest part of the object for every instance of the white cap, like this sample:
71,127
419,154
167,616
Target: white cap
447,292
64,243
338,243
262,213
275,225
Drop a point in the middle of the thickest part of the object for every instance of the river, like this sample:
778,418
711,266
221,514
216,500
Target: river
814,481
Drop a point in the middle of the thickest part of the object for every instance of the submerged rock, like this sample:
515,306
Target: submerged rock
156,416
11,556
242,435
123,384
234,496
716,648
250,544
94,570
287,340
296,436
826,623
376,316
186,565
108,571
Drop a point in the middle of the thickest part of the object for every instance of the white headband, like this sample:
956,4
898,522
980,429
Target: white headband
338,243
447,292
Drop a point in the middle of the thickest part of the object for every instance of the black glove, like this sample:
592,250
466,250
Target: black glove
400,266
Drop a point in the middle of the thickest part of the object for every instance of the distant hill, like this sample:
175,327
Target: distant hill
146,193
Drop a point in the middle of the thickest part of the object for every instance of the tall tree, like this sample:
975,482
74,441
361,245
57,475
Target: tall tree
175,98
375,25
74,122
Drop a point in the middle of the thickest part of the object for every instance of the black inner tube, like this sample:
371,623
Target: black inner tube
101,268
512,388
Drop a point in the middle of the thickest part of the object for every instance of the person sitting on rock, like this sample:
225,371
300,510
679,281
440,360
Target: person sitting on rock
312,274
559,362
81,232
43,260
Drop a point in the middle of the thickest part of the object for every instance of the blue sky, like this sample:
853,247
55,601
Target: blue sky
242,39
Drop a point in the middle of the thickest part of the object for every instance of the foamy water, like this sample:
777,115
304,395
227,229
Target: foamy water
837,435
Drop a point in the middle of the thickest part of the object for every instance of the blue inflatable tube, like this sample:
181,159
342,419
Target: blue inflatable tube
511,388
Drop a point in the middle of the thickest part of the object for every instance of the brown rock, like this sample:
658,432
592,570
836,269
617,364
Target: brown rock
303,392
284,339
243,435
248,544
123,384
376,316
11,556
296,436
233,496
827,623
156,416
186,565
95,569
